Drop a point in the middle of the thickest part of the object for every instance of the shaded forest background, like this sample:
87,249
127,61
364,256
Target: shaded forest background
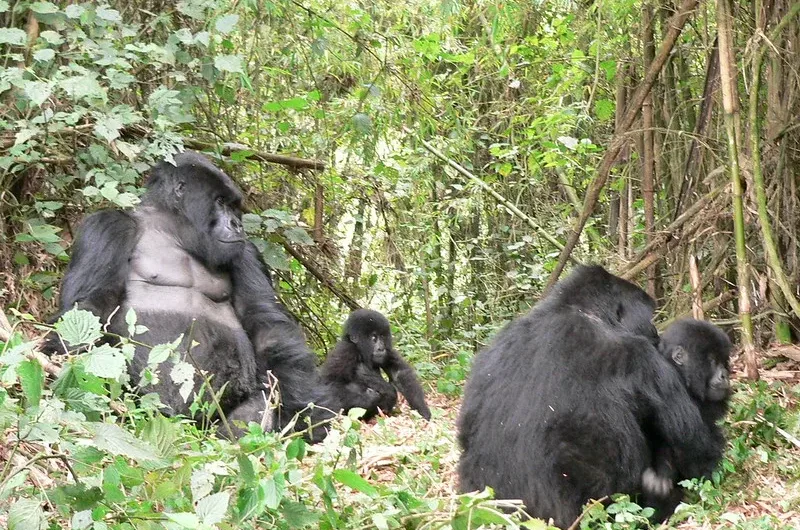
444,152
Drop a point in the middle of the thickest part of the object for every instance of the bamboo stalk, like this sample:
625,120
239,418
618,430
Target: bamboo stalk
770,247
731,116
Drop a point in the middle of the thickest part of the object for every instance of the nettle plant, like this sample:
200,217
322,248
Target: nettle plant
120,464
93,95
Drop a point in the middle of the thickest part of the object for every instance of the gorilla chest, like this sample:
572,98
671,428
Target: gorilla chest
165,278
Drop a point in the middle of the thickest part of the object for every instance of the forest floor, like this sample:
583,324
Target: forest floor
760,488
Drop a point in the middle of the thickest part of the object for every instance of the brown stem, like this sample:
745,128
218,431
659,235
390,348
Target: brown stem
593,193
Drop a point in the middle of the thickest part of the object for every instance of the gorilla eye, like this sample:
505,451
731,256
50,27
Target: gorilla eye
220,200
374,337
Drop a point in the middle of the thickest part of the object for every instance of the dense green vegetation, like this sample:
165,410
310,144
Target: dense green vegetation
438,161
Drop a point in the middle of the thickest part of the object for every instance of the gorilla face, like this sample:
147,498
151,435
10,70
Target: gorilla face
370,331
208,200
700,351
216,215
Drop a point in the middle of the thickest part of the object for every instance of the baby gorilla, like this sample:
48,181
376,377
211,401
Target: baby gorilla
353,368
700,352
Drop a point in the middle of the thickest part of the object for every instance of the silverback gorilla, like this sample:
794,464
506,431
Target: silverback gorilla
182,262
558,406
353,368
700,352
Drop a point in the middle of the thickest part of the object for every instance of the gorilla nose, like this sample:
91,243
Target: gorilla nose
236,224
721,381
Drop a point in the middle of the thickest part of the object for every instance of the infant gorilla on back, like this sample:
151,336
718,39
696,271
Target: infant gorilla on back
560,406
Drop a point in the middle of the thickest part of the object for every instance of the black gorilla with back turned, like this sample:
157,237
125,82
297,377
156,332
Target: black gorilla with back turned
182,262
353,368
557,407
700,352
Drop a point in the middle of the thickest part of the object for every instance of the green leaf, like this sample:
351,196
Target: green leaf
201,483
111,15
126,200
211,510
251,222
184,520
82,519
362,123
108,128
52,37
295,103
79,326
379,520
298,235
272,493
26,514
37,91
12,36
43,233
225,24
228,63
130,320
44,8
296,449
203,37
31,377
3,6
74,11
109,191
183,374
117,441
355,481
159,354
296,515
105,361
604,109
42,56
83,87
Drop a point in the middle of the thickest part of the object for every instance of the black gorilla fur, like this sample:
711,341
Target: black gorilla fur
182,255
700,352
353,368
557,408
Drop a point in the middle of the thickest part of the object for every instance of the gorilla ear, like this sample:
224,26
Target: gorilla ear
679,355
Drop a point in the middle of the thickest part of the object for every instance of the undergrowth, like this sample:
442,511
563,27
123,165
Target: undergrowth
80,452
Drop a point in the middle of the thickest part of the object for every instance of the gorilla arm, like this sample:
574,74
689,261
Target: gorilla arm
405,379
355,383
278,342
98,270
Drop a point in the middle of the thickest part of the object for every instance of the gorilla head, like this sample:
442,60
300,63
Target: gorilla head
209,201
700,351
614,301
369,331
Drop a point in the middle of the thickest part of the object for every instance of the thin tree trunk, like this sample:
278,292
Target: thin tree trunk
770,246
648,157
730,106
355,255
622,242
319,208
704,119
